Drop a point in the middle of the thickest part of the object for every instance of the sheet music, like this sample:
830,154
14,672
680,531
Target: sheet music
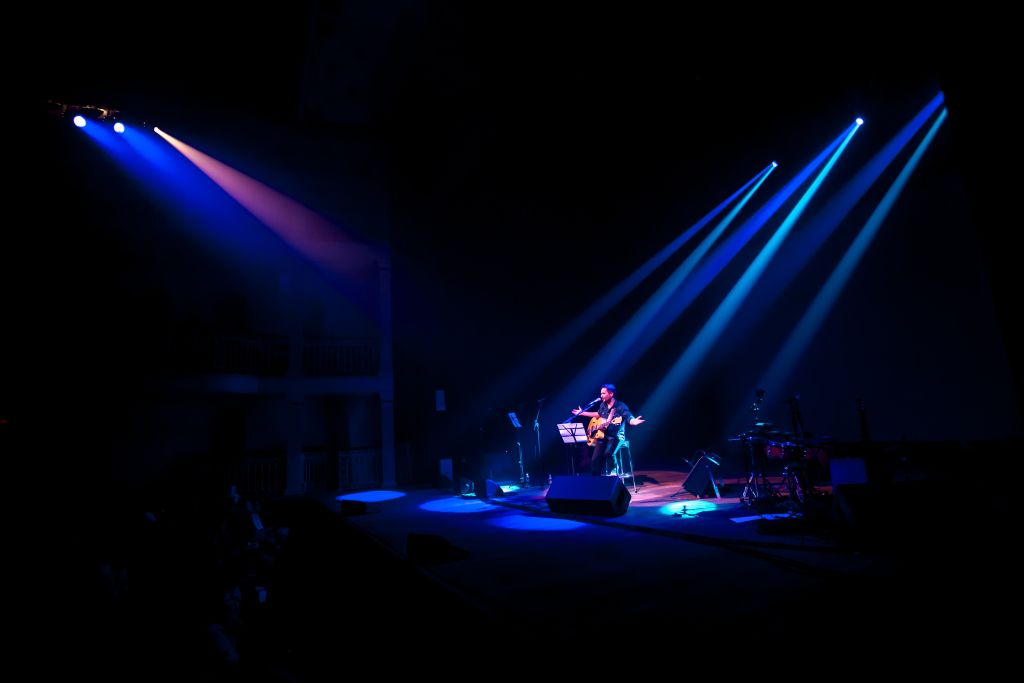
572,432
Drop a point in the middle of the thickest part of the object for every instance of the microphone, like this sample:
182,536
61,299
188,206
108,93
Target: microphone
588,405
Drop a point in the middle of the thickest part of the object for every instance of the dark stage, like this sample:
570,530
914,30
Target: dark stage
340,264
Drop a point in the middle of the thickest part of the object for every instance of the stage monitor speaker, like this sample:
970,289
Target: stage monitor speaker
699,478
493,489
601,496
488,488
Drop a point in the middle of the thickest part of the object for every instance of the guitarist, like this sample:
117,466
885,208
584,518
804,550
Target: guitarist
614,415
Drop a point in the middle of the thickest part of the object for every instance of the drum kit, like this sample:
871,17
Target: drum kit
802,459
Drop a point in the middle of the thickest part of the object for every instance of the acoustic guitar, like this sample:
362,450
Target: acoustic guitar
595,430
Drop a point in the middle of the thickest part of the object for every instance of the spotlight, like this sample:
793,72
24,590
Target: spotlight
118,127
81,113
775,164
860,121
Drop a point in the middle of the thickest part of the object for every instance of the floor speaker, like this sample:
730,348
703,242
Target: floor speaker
585,495
699,478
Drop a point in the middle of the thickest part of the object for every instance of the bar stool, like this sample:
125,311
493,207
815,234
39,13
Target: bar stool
620,462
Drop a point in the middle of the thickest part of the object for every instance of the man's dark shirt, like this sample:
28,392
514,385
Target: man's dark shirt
621,410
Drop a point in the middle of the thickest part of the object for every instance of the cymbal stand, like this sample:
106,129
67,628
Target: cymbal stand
758,487
757,491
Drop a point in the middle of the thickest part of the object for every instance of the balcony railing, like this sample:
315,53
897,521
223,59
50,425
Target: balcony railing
341,356
236,354
268,355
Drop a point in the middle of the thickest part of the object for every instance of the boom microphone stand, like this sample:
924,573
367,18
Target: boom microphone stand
523,476
536,432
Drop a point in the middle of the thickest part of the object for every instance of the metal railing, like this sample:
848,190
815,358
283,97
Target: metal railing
268,355
261,475
357,469
341,356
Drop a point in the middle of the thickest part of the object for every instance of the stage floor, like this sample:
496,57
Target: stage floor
673,559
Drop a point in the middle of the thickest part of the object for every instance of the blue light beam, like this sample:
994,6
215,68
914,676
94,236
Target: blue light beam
816,313
683,369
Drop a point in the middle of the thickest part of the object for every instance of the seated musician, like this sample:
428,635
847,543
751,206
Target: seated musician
610,431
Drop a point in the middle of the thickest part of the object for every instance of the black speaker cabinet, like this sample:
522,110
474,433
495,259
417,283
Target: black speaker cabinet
586,495
699,478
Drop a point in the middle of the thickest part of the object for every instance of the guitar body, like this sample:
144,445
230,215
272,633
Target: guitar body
595,430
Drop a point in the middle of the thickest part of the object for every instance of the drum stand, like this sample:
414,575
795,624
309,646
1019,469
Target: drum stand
797,482
758,488
757,492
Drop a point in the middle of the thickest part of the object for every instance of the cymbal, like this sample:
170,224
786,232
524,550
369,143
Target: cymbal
749,437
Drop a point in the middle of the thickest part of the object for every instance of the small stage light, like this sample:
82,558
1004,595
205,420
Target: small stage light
79,121
118,127
860,121
775,164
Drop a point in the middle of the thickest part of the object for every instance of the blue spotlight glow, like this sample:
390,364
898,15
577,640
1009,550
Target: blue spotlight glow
679,375
860,121
575,329
458,505
118,127
807,243
528,523
688,508
79,121
645,325
691,283
775,164
371,496
818,310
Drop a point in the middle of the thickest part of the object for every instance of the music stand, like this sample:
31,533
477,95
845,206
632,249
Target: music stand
523,477
572,433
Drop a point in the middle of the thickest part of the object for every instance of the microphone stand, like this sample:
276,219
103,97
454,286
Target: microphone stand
589,405
581,445
524,476
536,433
